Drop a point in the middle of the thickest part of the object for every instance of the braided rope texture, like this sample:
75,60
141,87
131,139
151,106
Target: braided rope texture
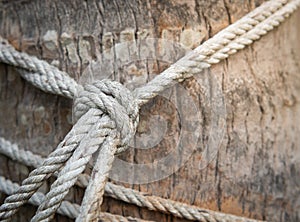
102,113
225,43
39,73
118,106
127,195
50,165
66,208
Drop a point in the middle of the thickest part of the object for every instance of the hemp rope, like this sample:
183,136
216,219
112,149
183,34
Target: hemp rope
140,199
66,208
229,41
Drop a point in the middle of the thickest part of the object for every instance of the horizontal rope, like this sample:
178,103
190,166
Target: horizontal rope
51,164
127,195
96,135
227,42
66,208
38,72
30,159
112,115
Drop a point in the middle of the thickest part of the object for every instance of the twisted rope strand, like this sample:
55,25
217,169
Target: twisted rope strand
130,196
66,208
50,79
35,70
92,200
252,35
118,122
74,166
22,156
38,72
227,42
167,206
32,160
50,165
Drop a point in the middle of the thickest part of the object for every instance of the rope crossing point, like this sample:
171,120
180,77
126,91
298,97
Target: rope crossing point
121,193
107,112
66,208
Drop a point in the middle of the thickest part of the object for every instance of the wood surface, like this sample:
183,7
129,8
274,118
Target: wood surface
256,172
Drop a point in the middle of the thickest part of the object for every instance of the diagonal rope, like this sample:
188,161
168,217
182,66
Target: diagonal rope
38,72
243,32
69,173
50,165
32,160
127,195
66,208
227,42
92,200
120,108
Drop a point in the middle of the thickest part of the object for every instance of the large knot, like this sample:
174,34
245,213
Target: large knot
114,100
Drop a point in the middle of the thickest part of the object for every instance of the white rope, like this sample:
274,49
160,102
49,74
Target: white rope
66,208
32,160
39,73
50,165
103,110
227,42
118,122
101,129
131,196
22,156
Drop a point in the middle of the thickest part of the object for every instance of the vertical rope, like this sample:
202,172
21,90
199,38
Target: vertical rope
120,110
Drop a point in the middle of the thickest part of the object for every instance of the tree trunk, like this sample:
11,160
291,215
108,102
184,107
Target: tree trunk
256,171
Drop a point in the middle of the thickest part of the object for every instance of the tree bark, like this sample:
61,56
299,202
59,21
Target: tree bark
256,171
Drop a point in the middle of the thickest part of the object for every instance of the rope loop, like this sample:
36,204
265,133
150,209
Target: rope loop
107,114
114,100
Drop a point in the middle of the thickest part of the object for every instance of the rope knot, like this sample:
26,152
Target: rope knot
113,100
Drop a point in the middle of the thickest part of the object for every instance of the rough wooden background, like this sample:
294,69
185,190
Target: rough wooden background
256,172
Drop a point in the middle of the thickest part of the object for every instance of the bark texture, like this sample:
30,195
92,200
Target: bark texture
256,172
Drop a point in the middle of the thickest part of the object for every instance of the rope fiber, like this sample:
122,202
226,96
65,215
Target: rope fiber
107,115
66,208
127,195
